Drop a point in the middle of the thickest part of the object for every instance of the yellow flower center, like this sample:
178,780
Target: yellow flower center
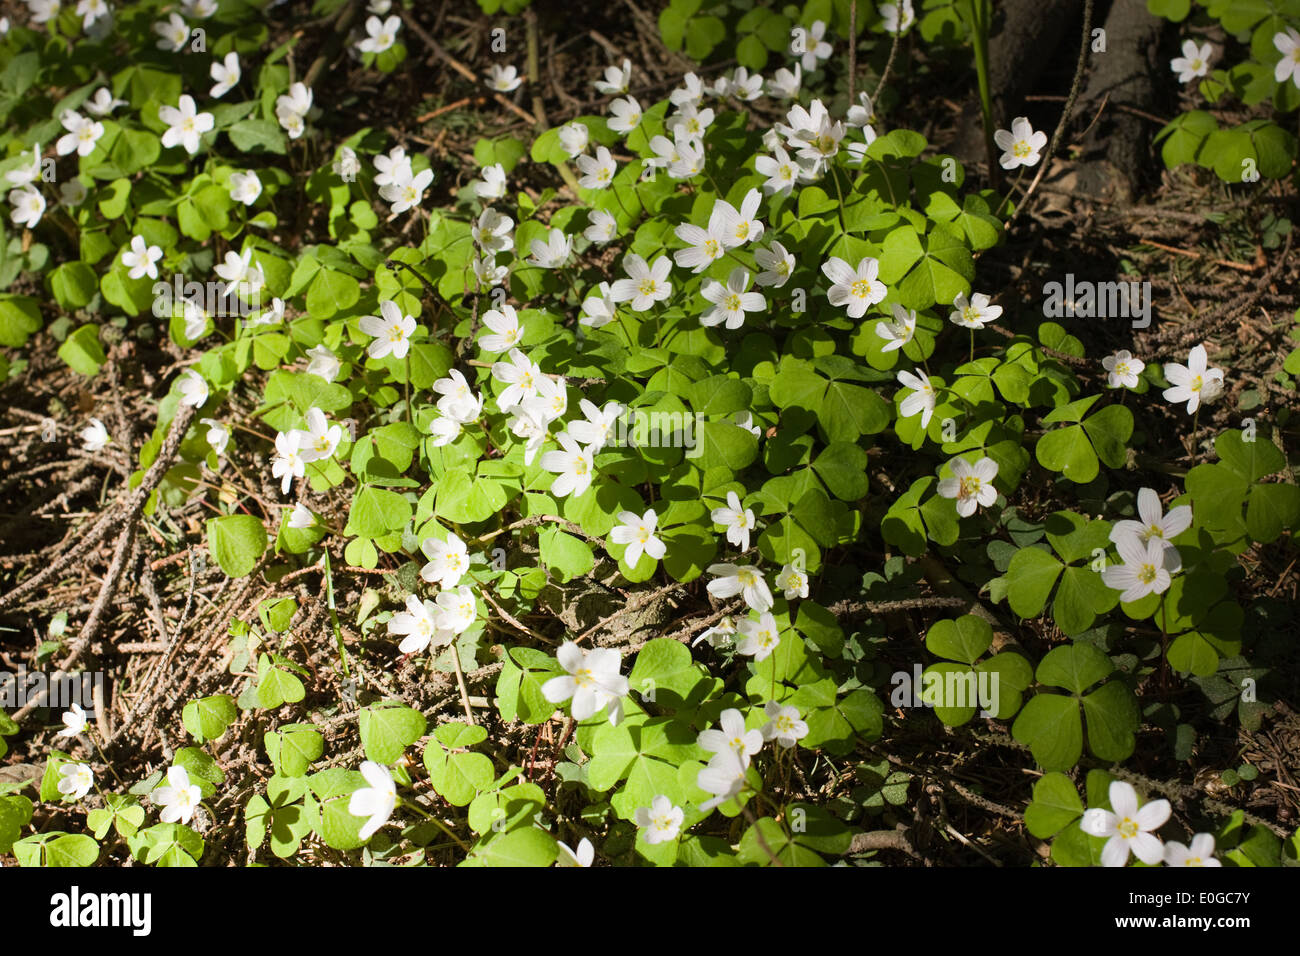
1147,573
1021,149
970,486
1127,828
861,288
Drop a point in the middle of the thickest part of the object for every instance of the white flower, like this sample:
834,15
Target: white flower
173,33
758,639
140,259
897,17
691,93
922,399
616,79
43,10
724,777
382,34
193,388
270,316
972,485
732,301
689,122
861,114
1021,145
573,466
783,724
602,227
1154,524
638,533
72,193
489,274
661,821
593,682
781,171
322,362
77,779
793,581
29,206
448,560
1147,568
493,183
393,168
583,856
553,253
749,583
703,246
898,332
1128,827
743,86
457,609
525,424
737,520
376,801
645,284
379,7
573,138
597,172
419,626
458,399
721,633
245,187
973,313
689,160
195,318
625,115
199,9
1122,369
27,174
218,435
593,430
1194,382
551,401
185,124
735,228
733,737
82,135
103,102
94,436
520,376
504,79
178,799
408,193
1288,44
859,150
856,288
816,49
320,438
392,331
301,517
226,73
348,165
598,307
1194,62
784,84
492,231
74,722
1201,852
295,105
288,462
240,272
777,265
504,327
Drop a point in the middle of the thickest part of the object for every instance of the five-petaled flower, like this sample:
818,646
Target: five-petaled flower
391,329
661,821
1194,382
376,801
1129,828
593,681
638,533
971,485
179,799
1021,145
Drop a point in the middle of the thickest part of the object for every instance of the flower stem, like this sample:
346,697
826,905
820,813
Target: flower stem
419,810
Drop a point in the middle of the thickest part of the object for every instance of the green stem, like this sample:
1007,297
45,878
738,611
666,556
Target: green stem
419,810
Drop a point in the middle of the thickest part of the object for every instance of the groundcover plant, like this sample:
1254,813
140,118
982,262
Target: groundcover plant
702,433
